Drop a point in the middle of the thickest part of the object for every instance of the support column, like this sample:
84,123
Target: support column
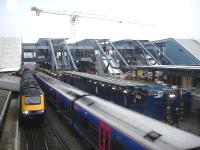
153,75
136,74
186,81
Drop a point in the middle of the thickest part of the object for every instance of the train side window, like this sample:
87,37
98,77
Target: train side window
67,107
85,122
62,105
116,145
77,117
101,137
94,132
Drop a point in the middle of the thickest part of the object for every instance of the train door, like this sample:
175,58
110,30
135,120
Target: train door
104,136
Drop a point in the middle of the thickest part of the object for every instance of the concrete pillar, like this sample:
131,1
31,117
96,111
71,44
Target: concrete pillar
186,81
153,75
136,74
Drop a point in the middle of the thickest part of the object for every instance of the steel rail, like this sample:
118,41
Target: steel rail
5,108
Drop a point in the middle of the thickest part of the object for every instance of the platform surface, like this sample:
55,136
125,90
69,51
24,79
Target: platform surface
11,83
9,139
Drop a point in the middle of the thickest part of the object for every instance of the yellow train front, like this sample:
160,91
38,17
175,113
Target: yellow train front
32,103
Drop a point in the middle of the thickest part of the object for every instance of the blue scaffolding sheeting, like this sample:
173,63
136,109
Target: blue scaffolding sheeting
146,98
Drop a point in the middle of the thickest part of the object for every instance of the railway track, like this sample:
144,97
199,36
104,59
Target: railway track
68,138
33,138
57,134
52,134
4,105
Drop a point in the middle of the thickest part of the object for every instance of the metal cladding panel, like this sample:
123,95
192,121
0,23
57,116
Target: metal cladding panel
10,53
179,55
191,46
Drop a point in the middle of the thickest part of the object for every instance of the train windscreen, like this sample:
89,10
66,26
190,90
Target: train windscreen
32,100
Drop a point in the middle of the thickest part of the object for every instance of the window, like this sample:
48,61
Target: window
116,145
77,117
196,82
94,132
85,122
32,100
50,96
67,109
62,104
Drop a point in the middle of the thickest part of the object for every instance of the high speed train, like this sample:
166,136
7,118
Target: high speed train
32,105
107,126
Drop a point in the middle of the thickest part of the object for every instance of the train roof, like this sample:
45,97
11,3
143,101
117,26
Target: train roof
62,87
150,132
139,127
32,92
28,84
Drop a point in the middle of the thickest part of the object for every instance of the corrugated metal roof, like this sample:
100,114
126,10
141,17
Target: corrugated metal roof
191,46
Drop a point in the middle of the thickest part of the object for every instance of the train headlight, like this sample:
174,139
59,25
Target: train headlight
25,112
171,96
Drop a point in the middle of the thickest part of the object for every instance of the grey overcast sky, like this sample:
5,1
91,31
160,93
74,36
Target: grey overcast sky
172,18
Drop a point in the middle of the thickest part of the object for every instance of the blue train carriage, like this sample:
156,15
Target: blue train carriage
118,128
61,99
108,126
